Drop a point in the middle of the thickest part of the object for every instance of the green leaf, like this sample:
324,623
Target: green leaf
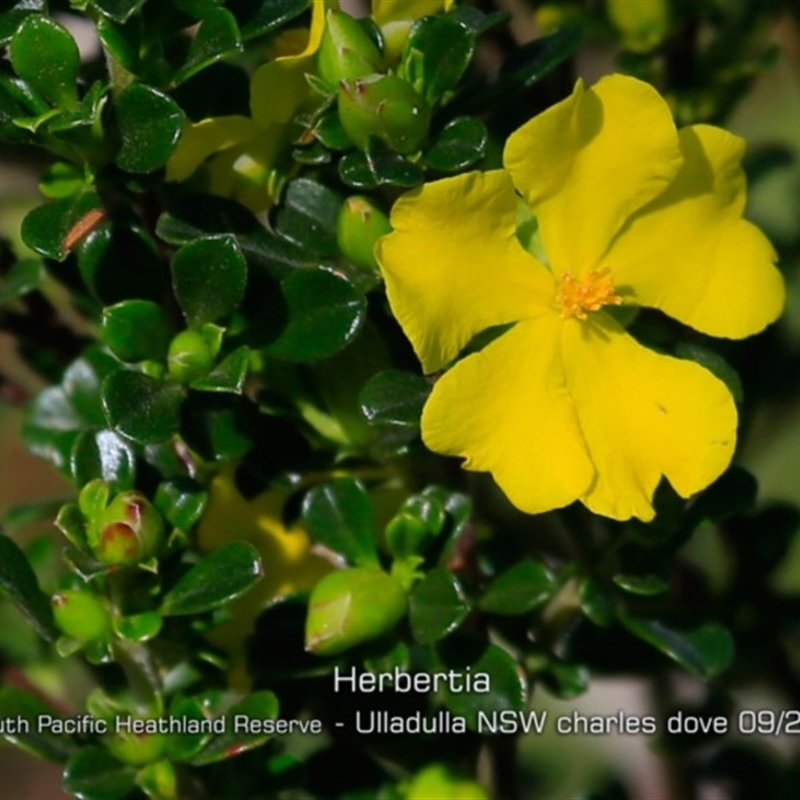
51,426
228,376
436,55
119,261
565,680
82,380
507,688
339,515
307,216
243,728
647,585
14,12
18,517
44,54
136,330
379,165
118,10
316,314
181,501
200,215
104,455
532,61
141,407
18,704
209,277
461,144
217,36
183,746
218,428
526,586
25,276
394,397
139,627
45,228
19,583
706,651
219,578
149,125
437,606
596,602
94,774
258,17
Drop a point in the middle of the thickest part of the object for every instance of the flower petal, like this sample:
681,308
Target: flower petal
454,267
201,139
644,415
507,411
690,253
586,164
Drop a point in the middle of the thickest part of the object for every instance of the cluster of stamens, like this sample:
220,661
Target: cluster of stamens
577,297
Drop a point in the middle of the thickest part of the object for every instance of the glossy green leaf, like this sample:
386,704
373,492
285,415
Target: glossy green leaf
706,651
149,125
209,277
394,397
14,12
566,680
258,17
183,746
647,585
436,606
51,426
181,501
219,578
18,704
532,61
339,515
228,376
94,774
379,165
217,36
118,10
136,330
507,688
44,54
307,216
141,407
218,427
61,179
316,314
460,145
519,590
198,216
139,627
159,780
25,276
82,381
240,734
123,42
46,228
19,583
436,55
596,602
106,455
70,521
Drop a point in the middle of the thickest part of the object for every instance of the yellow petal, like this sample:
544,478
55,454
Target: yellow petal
507,411
453,265
644,415
384,11
690,253
586,164
201,139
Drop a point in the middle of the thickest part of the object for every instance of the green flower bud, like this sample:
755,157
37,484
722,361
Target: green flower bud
359,226
437,781
643,25
352,606
346,51
81,616
191,355
130,530
136,749
386,107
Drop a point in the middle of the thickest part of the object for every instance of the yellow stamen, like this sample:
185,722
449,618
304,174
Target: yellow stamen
576,297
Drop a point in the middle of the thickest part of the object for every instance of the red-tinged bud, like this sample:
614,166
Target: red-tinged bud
130,530
384,106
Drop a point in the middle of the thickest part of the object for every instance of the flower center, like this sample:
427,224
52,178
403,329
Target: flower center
576,297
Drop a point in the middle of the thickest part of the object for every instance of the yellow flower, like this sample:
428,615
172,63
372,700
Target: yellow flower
566,405
289,563
247,150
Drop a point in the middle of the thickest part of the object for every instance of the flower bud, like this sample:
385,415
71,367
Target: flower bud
191,355
130,530
359,226
352,606
136,749
81,616
643,25
346,51
384,106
